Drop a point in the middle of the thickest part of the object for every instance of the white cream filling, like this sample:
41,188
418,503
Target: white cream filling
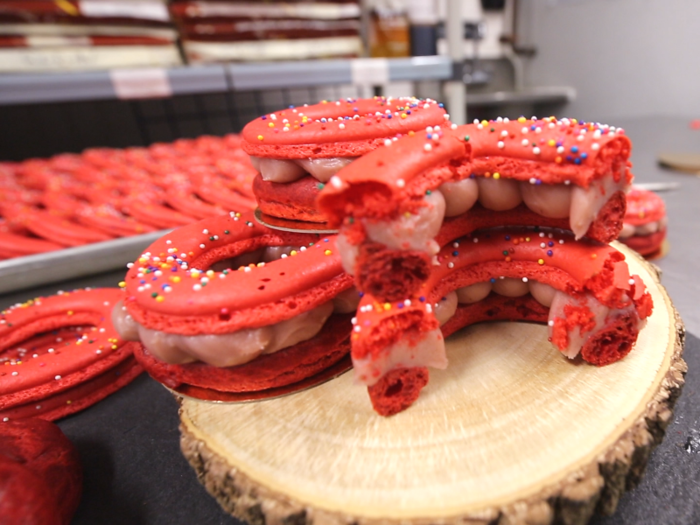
223,350
459,196
445,308
499,194
348,253
548,200
347,301
429,351
630,230
557,201
586,203
510,287
474,292
411,231
542,293
290,170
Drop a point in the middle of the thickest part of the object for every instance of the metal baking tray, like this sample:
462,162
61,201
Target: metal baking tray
70,263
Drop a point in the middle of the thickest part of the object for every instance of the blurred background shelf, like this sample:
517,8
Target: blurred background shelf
538,95
37,88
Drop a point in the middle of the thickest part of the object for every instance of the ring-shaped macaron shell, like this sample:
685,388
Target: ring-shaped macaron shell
174,268
26,375
393,178
550,150
103,379
342,128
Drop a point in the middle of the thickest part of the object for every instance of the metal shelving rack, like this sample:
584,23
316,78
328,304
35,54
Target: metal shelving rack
95,85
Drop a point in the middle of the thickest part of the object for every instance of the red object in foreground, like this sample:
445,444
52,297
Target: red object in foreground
40,474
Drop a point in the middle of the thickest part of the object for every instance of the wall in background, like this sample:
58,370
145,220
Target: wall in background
624,57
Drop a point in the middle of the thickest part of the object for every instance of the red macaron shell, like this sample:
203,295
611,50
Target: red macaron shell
47,488
553,151
154,213
398,390
185,201
643,207
292,200
393,179
224,191
13,245
646,245
284,367
53,406
343,128
25,498
196,300
107,219
552,257
53,226
50,345
100,216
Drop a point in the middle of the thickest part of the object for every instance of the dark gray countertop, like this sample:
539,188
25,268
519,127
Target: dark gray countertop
129,443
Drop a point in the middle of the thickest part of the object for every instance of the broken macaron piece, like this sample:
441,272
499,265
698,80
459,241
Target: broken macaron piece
582,289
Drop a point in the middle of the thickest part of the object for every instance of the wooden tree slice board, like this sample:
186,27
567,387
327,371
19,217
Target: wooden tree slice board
689,162
512,432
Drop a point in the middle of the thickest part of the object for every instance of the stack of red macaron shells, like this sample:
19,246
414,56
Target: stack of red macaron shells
173,289
61,354
332,130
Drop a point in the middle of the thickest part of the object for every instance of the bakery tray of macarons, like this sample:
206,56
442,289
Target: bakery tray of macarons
420,228
58,215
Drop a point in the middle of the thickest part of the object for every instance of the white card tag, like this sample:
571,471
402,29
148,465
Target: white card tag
370,71
145,10
140,83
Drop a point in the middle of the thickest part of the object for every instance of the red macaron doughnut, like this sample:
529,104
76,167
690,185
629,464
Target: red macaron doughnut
210,300
645,222
314,142
61,354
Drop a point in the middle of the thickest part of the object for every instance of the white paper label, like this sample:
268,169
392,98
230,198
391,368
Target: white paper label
316,11
57,41
370,71
142,9
140,83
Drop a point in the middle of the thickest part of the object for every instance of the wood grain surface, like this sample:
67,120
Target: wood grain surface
510,433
